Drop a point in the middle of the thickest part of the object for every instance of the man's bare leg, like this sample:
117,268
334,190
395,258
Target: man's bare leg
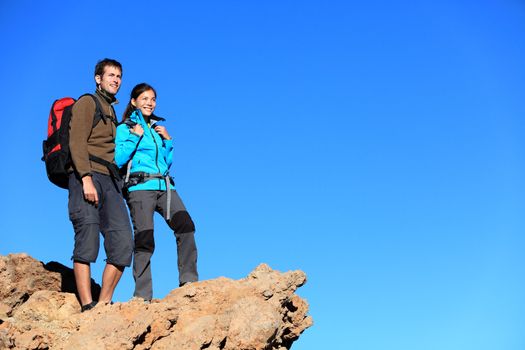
110,279
83,280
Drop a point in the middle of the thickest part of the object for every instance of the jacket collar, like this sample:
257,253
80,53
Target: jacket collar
155,118
109,98
137,117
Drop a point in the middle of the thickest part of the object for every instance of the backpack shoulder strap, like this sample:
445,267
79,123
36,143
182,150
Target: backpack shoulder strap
99,114
112,168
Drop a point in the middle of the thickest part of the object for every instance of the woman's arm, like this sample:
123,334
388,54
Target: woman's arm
167,151
167,144
126,143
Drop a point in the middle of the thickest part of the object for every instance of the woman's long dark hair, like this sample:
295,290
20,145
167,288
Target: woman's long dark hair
135,93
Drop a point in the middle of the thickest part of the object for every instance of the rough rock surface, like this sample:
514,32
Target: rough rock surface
260,311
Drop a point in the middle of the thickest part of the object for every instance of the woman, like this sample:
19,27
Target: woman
145,149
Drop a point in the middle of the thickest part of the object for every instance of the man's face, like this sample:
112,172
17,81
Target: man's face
110,80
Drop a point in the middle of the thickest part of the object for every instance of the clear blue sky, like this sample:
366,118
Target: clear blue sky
376,145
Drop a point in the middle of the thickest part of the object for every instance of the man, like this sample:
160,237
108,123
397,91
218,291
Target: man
95,201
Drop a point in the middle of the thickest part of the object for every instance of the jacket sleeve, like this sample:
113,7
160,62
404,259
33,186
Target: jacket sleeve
83,113
125,144
167,151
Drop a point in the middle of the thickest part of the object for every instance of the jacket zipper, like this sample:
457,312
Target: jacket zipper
156,153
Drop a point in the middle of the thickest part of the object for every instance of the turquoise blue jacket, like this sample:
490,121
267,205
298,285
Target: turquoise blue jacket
151,154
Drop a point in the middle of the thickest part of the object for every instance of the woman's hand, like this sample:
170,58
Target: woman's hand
162,132
137,129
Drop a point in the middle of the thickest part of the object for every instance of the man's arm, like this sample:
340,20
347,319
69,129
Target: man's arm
83,114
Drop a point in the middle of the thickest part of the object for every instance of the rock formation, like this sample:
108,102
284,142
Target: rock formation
39,310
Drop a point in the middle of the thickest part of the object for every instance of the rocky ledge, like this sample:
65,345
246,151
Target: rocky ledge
39,310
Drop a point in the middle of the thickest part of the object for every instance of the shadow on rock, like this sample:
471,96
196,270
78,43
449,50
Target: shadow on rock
68,284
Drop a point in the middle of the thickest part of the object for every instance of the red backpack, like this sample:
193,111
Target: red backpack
55,148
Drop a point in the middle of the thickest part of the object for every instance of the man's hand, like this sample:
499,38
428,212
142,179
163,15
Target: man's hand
162,132
90,192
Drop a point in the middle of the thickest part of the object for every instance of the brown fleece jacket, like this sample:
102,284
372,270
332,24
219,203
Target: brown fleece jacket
85,140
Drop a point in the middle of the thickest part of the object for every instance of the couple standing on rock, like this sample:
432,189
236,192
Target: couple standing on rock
96,205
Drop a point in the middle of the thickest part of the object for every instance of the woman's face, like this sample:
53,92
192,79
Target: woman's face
146,102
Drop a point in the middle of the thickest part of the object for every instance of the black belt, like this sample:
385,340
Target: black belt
136,178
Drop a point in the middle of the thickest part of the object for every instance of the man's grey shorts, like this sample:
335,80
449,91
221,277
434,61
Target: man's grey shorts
110,218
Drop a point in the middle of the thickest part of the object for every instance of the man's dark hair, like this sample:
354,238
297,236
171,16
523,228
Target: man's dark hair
102,64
